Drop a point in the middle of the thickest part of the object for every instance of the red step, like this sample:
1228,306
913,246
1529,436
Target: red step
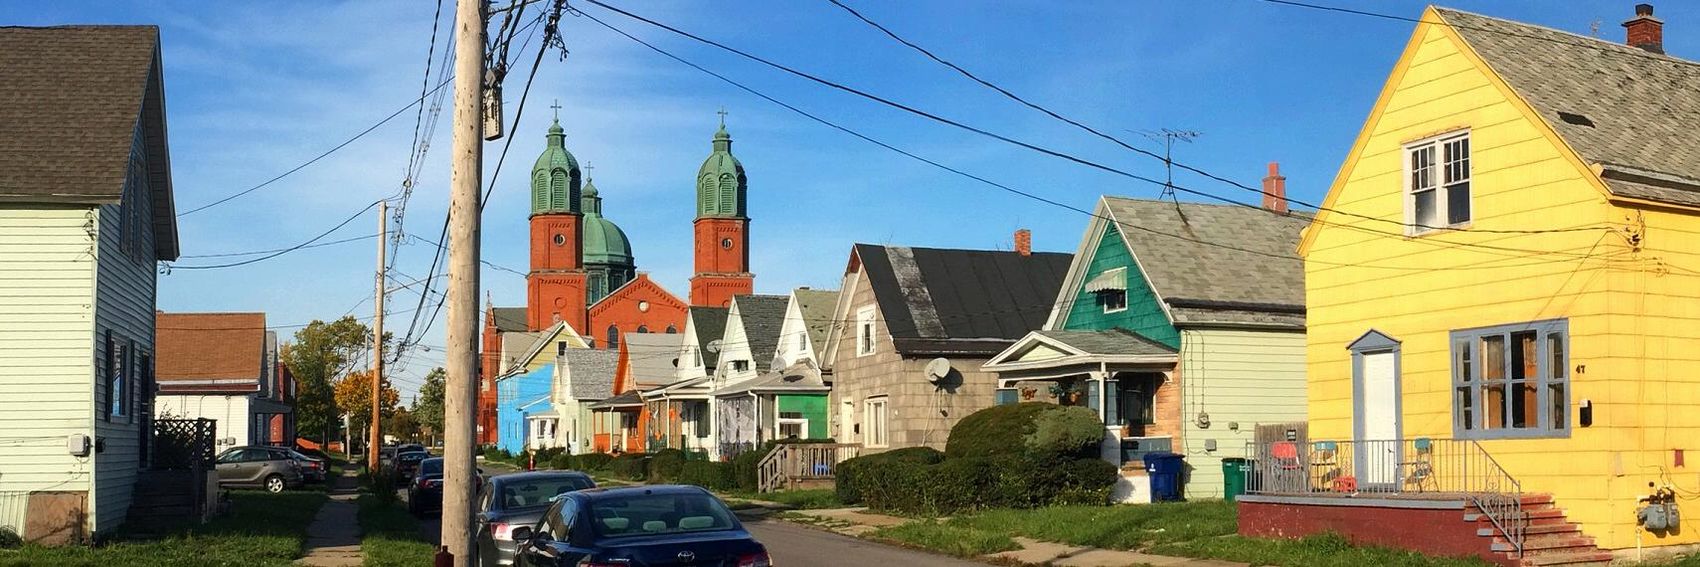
1565,528
1582,559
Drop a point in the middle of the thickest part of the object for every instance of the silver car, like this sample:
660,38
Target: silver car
258,467
512,500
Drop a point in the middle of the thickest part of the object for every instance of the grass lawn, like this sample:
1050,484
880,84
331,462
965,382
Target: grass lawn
801,499
391,534
262,529
1110,527
948,539
1327,550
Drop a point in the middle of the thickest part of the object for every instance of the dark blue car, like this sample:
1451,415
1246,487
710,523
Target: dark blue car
639,526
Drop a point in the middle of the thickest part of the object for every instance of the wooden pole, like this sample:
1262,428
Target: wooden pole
372,437
465,177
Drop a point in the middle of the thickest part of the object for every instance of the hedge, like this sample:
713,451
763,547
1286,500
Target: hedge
666,465
1032,427
589,462
708,474
848,475
630,466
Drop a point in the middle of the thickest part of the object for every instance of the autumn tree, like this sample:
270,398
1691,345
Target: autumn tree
428,409
354,398
403,424
319,354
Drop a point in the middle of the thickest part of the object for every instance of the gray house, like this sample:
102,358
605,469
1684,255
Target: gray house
86,215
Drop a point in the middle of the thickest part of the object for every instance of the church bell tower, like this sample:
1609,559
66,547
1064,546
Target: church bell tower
722,227
555,288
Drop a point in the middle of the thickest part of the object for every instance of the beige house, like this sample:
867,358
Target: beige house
902,309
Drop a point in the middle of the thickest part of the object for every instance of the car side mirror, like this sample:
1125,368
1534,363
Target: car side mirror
521,535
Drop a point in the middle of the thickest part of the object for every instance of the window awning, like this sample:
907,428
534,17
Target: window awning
1110,280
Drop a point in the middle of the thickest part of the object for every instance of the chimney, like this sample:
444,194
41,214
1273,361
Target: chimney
1024,242
1275,189
1645,31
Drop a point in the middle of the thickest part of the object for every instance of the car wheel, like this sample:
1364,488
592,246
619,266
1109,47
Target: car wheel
274,483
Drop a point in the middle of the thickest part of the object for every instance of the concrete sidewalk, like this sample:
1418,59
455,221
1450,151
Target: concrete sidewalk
860,522
333,539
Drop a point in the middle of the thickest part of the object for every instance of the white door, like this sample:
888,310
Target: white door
1378,451
846,416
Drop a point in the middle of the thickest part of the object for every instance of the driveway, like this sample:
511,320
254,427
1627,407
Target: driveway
791,544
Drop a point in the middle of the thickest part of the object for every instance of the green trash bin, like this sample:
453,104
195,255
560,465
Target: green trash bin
1234,473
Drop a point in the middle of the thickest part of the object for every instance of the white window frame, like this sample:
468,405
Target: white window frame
876,421
865,331
802,424
1444,175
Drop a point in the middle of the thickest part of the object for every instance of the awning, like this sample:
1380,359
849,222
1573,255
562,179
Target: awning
629,400
1114,279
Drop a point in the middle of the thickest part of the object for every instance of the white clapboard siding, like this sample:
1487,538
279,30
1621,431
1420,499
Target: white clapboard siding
47,321
1243,377
125,292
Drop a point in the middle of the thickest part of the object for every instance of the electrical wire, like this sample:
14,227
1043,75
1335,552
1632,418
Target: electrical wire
254,252
279,252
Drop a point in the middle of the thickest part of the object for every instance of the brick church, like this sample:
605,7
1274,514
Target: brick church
583,272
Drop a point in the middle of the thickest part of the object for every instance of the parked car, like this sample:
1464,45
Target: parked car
258,467
638,525
312,469
387,455
425,493
513,501
406,464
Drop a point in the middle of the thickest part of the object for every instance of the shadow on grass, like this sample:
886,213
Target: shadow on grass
391,534
261,530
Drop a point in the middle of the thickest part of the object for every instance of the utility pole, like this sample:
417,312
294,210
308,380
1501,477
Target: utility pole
372,438
466,174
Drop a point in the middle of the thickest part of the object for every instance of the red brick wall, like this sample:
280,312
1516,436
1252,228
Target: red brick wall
1435,532
552,295
722,271
489,363
625,309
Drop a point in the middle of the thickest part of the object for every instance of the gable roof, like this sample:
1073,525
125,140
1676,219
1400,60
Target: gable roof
710,323
591,372
816,307
653,356
1108,342
933,296
201,347
509,319
762,317
1256,278
71,106
1641,105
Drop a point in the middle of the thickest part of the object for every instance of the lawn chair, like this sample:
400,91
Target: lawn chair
1324,464
1420,469
1288,468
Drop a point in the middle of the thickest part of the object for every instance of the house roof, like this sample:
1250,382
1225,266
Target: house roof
816,306
509,319
762,317
1108,342
70,109
798,378
933,296
630,399
1256,278
516,346
653,357
197,347
710,325
591,372
1637,110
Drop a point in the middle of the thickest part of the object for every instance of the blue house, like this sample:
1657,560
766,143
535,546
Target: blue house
524,415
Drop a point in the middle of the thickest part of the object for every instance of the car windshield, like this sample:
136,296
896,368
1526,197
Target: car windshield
429,467
412,456
541,491
651,514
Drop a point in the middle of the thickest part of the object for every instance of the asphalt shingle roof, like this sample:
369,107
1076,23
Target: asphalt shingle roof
931,296
1109,342
209,346
591,372
817,307
509,318
653,357
710,326
762,316
1639,109
1222,264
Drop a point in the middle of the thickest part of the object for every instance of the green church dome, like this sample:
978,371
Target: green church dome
604,242
555,177
721,184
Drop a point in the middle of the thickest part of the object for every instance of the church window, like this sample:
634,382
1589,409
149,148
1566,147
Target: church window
643,306
643,329
672,330
726,243
709,203
727,188
613,336
558,190
560,240
540,197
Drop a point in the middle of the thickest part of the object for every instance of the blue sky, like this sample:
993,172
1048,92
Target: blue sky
256,88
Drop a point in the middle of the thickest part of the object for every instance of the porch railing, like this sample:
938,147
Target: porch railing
1411,468
791,463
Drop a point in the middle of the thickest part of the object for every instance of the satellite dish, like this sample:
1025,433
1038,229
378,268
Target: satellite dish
778,363
938,369
713,346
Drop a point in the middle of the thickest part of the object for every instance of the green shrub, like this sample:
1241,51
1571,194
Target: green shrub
1066,431
563,462
848,475
630,466
666,465
707,474
494,453
995,431
9,539
597,462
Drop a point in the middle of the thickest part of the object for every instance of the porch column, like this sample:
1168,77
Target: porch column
1110,447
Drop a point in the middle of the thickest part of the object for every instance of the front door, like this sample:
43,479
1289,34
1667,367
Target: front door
1378,451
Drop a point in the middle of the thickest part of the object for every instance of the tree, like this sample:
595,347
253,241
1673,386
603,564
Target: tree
320,353
403,424
428,409
354,398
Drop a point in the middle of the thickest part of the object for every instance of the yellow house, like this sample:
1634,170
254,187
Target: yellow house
1503,293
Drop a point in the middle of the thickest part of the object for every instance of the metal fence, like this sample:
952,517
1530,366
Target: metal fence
1409,468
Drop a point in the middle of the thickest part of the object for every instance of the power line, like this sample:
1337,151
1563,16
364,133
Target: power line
280,252
254,252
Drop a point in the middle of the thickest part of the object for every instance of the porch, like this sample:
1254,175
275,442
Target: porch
617,424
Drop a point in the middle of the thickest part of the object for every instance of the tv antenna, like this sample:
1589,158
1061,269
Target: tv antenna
1167,137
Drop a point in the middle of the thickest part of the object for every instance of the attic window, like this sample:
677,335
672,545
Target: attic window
1576,119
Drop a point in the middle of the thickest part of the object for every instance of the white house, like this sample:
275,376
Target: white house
86,215
223,367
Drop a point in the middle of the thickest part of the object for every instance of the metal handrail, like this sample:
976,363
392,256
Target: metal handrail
1407,468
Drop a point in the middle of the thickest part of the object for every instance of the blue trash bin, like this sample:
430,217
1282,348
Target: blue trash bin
1165,472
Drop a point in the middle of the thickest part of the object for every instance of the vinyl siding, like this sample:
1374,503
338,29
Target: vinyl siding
125,284
233,414
1237,377
47,321
1631,312
1144,313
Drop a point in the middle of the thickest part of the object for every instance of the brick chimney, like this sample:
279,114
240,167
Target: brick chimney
1024,242
1275,189
1645,31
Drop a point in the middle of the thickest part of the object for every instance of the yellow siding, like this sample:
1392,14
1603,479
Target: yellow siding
1634,316
1237,377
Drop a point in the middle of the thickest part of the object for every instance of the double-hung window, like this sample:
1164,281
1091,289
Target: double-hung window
1511,381
874,424
865,331
1437,183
